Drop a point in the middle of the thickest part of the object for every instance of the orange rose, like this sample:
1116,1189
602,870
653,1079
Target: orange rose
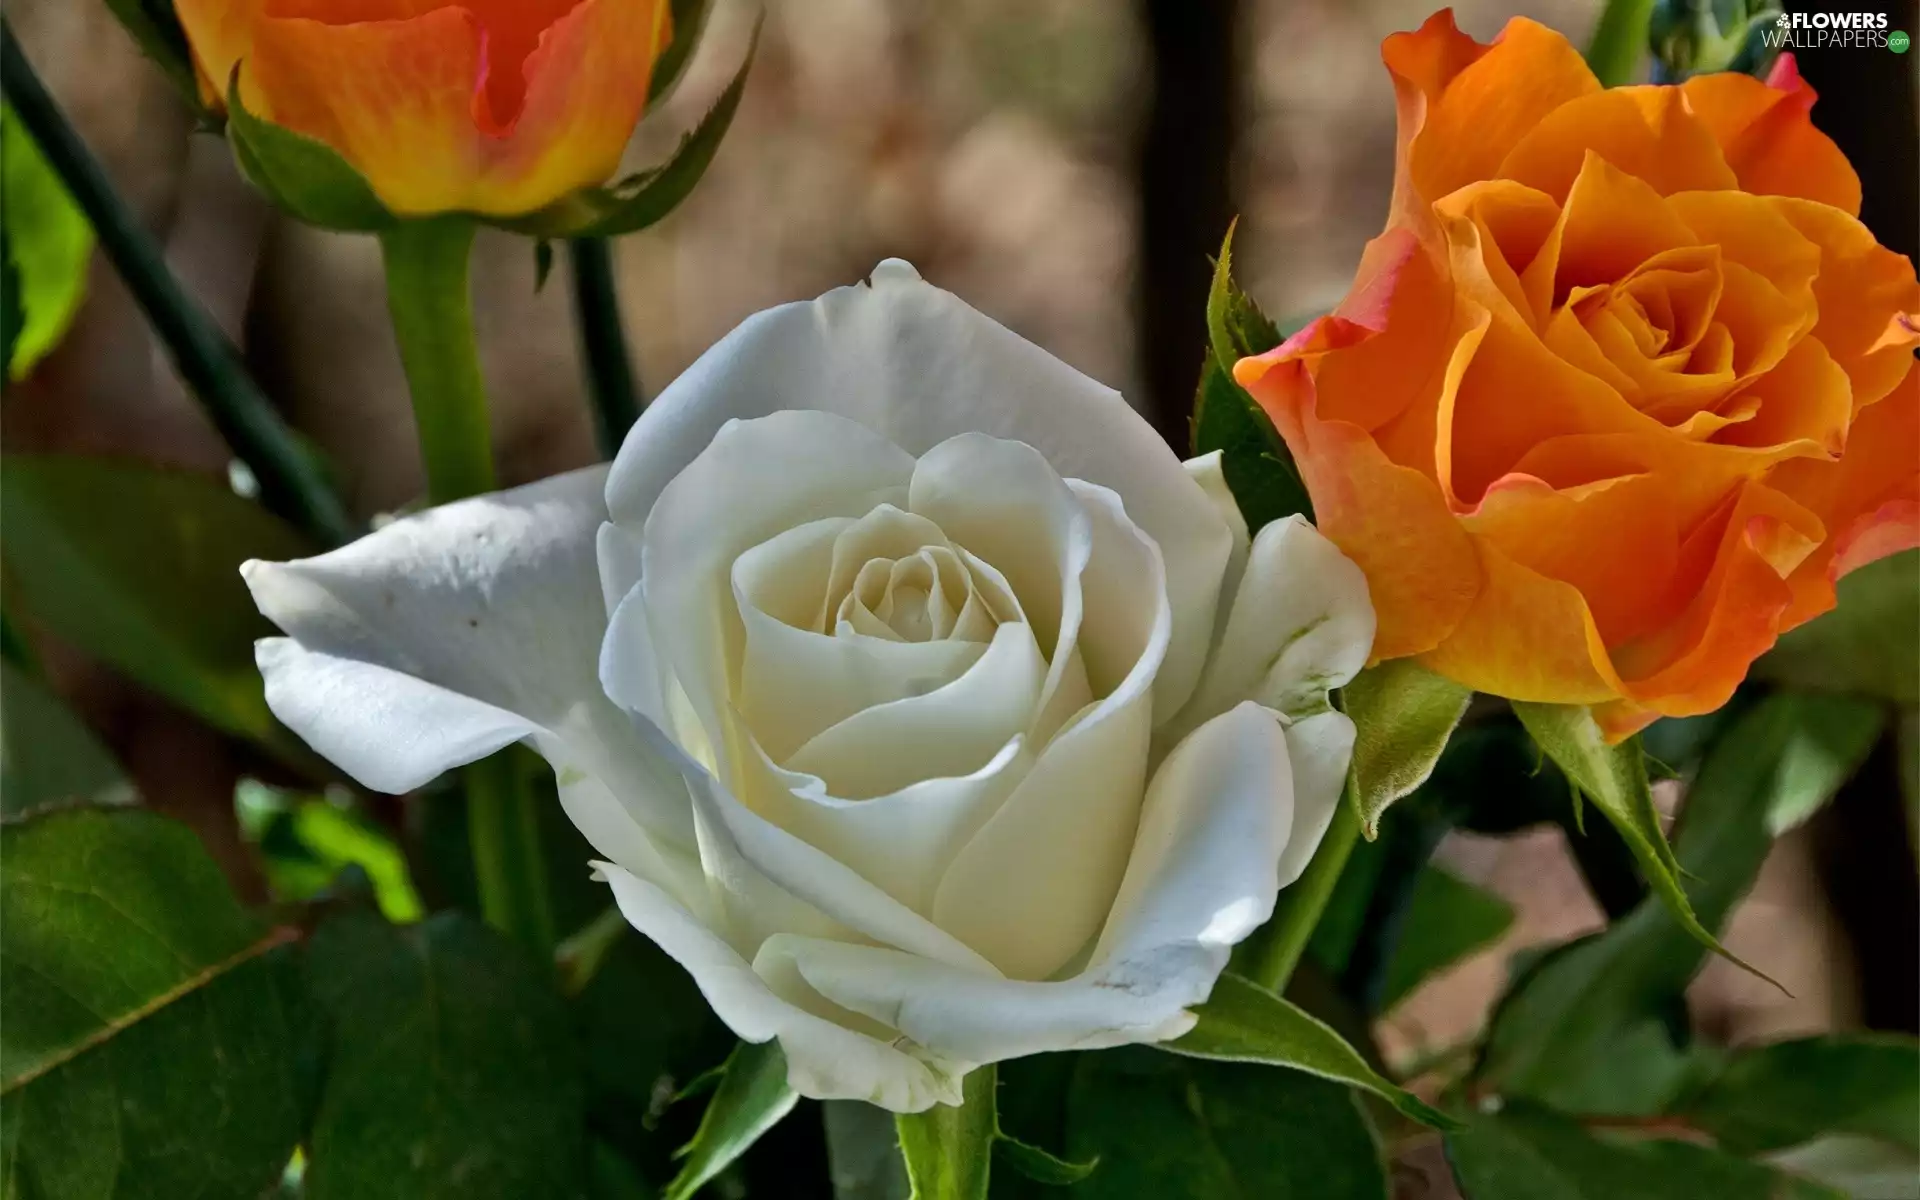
1622,389
488,106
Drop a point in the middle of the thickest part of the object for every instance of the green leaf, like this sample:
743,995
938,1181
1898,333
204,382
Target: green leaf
1244,1022
1619,41
949,1148
1818,753
1868,645
1530,1154
48,758
1166,1128
1614,778
305,177
157,31
1258,468
753,1097
49,245
140,567
689,22
1558,1034
12,316
1447,920
145,1050
1403,715
1781,1095
453,1071
643,199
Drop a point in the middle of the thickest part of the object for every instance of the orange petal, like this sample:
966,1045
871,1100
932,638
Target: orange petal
425,109
1735,568
1487,105
1869,301
1646,132
586,88
1614,541
1807,397
1751,231
1513,226
1515,393
219,32
1526,637
1401,292
1422,64
1770,141
395,98
1389,519
1869,499
1610,224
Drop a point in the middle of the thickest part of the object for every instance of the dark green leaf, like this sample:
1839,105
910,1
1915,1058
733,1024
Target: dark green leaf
1447,920
140,567
542,263
1773,1097
12,316
1166,1128
1244,1022
753,1097
1869,644
1402,715
689,22
1258,468
1557,1036
1530,1154
157,31
1614,778
304,177
635,203
453,1071
145,1051
48,758
49,245
949,1148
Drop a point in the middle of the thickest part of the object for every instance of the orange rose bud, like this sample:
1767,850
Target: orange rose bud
1622,389
498,107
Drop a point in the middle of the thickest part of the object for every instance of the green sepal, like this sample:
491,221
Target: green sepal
642,199
752,1097
1258,467
156,30
1403,715
1244,1022
689,22
1614,778
305,177
949,1148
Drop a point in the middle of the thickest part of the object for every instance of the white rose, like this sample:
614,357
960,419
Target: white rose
921,703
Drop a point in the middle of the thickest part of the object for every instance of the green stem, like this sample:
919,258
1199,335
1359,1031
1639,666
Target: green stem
503,832
610,376
427,292
1619,41
433,319
1276,949
291,480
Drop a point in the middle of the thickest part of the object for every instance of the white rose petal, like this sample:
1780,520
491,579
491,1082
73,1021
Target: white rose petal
917,699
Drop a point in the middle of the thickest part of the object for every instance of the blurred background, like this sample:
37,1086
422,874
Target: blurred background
1020,153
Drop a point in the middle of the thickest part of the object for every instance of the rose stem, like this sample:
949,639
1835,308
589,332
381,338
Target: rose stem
611,382
1276,949
292,483
427,292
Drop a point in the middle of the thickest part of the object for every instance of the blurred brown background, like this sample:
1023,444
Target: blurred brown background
1015,150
